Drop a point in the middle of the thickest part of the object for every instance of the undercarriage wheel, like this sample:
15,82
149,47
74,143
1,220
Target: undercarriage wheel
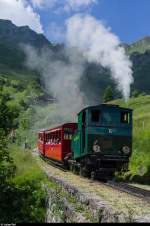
66,165
93,175
73,168
76,170
82,171
125,167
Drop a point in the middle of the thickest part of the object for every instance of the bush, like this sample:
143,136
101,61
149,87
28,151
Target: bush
22,203
7,167
22,197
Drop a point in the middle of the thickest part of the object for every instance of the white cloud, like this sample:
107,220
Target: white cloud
55,33
65,5
20,13
76,5
44,3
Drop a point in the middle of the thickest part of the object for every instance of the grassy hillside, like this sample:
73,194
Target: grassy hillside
140,46
24,199
140,160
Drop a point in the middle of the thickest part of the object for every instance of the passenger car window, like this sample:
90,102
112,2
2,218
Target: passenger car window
68,132
95,116
125,117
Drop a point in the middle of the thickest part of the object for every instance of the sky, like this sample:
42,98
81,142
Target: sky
127,19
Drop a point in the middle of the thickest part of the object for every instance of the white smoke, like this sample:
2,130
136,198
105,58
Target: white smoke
90,41
61,78
101,46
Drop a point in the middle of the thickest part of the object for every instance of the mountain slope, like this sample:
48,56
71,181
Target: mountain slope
12,34
140,46
141,71
11,37
95,78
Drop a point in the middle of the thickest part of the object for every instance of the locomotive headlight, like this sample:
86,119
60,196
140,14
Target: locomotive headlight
126,150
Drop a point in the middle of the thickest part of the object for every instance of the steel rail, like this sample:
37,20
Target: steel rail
120,186
130,189
54,164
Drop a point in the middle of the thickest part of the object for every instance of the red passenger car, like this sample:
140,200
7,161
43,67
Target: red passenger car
55,143
41,142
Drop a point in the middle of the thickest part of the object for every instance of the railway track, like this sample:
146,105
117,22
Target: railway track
56,165
125,187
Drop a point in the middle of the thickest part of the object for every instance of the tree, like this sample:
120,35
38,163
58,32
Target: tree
7,167
108,94
135,93
9,111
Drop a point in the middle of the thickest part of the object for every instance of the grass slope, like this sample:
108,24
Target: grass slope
140,160
24,199
140,46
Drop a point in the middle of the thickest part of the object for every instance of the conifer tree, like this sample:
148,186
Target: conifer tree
108,94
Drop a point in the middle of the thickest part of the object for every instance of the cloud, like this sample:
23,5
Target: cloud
77,5
20,13
44,3
65,5
55,33
101,46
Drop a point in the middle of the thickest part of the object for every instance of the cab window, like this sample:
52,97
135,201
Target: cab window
95,115
125,117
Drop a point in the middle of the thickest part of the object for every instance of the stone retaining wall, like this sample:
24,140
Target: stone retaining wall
66,203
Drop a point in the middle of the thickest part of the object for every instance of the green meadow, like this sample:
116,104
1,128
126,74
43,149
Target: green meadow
140,160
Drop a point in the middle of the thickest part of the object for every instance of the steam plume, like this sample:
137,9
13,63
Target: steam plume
61,78
101,46
88,40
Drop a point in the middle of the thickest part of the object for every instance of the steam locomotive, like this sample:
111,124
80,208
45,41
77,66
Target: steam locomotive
97,146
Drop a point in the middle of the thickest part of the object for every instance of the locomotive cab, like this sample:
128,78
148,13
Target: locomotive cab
103,141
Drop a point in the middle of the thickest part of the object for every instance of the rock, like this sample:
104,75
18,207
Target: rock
144,219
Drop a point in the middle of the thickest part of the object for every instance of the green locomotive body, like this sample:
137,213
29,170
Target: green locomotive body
102,143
